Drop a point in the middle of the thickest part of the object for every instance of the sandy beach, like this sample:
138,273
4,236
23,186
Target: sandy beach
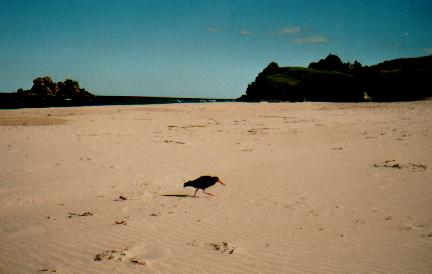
310,188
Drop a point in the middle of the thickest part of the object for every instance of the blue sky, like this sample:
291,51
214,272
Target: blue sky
197,48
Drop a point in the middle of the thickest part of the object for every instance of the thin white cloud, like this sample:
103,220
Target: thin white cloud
290,30
428,50
314,39
214,29
293,30
245,33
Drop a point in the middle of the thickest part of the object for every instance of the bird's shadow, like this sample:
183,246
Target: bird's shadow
181,196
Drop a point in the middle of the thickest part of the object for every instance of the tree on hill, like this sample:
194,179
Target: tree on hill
331,63
271,68
260,81
356,65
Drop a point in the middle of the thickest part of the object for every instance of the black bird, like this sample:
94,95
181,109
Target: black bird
203,182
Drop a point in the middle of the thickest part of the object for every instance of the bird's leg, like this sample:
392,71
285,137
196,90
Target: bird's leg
207,193
195,192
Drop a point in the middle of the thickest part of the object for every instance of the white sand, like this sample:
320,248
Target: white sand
311,188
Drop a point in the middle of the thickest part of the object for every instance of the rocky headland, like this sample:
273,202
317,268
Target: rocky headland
332,80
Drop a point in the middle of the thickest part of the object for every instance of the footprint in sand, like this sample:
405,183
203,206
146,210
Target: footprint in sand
47,270
407,227
118,256
428,235
395,164
389,163
313,212
122,222
295,203
120,198
417,167
109,255
222,247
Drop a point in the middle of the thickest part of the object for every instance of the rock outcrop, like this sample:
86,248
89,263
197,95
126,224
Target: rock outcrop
45,92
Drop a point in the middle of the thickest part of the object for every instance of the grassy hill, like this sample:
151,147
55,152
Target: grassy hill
331,80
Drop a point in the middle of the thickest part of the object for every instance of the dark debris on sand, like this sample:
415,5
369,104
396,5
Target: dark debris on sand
80,215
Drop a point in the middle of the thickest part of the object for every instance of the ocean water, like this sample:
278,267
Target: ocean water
9,101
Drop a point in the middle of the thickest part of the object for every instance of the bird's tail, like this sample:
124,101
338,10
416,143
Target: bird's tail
189,183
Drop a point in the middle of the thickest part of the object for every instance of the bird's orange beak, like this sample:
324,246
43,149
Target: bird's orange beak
221,182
